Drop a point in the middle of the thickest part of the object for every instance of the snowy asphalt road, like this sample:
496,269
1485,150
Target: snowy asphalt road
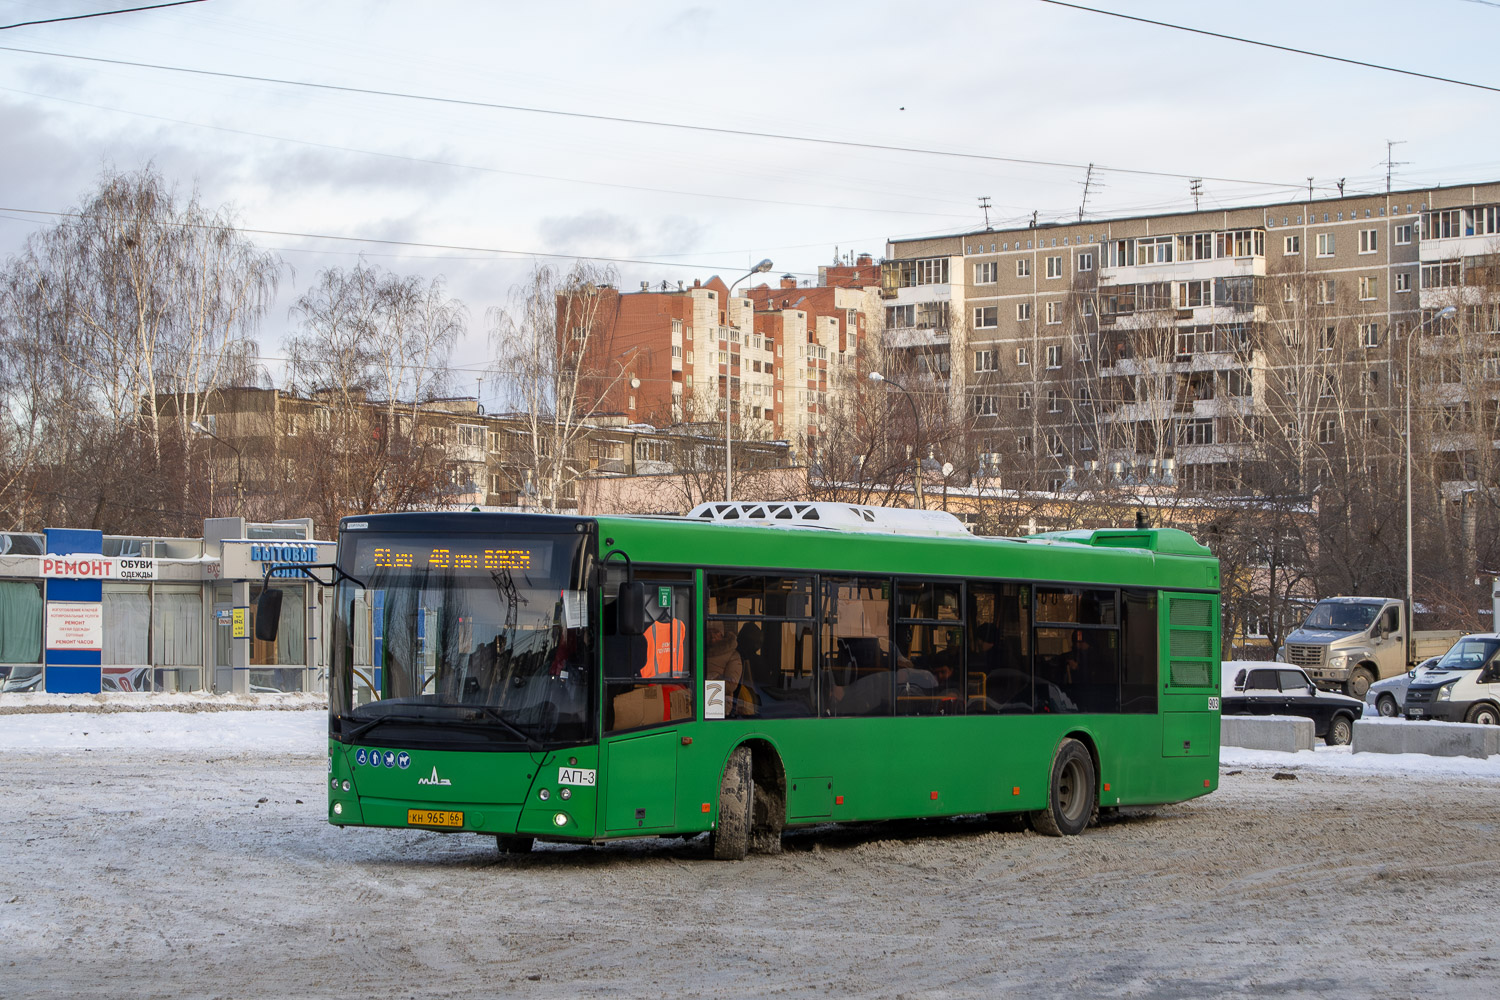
148,866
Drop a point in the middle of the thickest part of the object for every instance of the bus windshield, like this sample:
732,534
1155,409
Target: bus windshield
1342,616
464,638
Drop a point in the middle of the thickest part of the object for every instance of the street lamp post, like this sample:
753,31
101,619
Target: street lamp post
1442,313
760,268
239,468
917,421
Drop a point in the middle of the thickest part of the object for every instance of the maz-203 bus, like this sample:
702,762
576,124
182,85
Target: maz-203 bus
751,667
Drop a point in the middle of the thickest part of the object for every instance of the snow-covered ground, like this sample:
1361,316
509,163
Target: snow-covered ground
187,853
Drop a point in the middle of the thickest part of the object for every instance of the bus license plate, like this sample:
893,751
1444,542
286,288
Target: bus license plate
433,817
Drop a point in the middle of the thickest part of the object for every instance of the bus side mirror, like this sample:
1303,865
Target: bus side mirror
630,609
268,614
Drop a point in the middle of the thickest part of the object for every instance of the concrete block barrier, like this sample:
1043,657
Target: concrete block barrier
1436,739
1286,733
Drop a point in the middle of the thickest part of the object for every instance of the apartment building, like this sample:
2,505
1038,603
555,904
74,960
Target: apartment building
670,354
1176,347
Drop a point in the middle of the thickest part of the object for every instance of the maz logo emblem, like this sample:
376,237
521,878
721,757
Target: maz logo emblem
434,780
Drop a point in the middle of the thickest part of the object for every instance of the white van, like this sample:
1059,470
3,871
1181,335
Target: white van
1463,686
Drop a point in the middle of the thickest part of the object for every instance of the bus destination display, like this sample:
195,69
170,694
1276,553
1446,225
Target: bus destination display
441,557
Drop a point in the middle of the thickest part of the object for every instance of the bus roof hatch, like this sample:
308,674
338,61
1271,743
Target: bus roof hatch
834,517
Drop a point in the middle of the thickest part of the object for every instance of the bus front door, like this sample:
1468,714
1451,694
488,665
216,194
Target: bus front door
646,698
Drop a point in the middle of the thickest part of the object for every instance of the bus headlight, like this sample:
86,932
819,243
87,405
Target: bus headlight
338,809
561,819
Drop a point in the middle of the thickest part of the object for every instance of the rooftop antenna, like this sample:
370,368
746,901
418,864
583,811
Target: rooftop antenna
1196,187
1088,184
1309,189
984,203
1391,163
1341,187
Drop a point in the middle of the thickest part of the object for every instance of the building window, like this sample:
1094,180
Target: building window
1370,382
1023,267
1023,401
1291,246
1442,275
1403,234
1192,294
1325,387
1023,311
1054,267
900,317
1054,312
1195,246
1325,431
1086,261
986,406
1369,240
986,361
1327,289
1369,334
1369,287
1242,243
1023,444
1328,339
1403,281
986,317
1023,356
1154,249
1288,292
1054,401
986,273
1054,444
1054,355
1198,432
1325,244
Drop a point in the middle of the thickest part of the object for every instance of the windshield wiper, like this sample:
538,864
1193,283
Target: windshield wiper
494,713
359,731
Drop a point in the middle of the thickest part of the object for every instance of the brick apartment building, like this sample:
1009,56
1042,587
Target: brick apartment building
683,350
1173,347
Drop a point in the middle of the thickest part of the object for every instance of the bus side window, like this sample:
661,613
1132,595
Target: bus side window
1138,652
999,677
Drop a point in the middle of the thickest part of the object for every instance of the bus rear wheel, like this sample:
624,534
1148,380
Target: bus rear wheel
730,838
1071,800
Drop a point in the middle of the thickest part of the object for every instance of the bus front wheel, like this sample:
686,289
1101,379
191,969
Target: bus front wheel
1071,800
731,833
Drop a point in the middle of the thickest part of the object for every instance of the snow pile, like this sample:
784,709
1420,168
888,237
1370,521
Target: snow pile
19,703
217,731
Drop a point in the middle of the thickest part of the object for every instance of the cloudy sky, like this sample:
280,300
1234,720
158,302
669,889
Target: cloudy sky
683,141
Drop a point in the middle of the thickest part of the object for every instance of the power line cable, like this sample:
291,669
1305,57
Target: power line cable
1272,45
484,169
404,243
587,116
101,13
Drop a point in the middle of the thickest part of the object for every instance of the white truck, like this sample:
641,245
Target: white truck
1348,643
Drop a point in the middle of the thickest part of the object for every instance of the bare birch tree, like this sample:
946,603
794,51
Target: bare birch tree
552,352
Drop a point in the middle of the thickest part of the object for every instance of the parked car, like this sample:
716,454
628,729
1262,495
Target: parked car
1463,686
1260,688
1385,697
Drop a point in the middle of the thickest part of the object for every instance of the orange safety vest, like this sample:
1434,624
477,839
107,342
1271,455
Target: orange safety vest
666,649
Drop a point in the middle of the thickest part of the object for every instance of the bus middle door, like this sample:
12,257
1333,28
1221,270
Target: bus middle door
646,697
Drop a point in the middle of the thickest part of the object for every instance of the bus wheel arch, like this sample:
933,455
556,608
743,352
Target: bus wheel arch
768,798
1072,789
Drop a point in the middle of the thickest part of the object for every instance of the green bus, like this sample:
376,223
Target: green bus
747,668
